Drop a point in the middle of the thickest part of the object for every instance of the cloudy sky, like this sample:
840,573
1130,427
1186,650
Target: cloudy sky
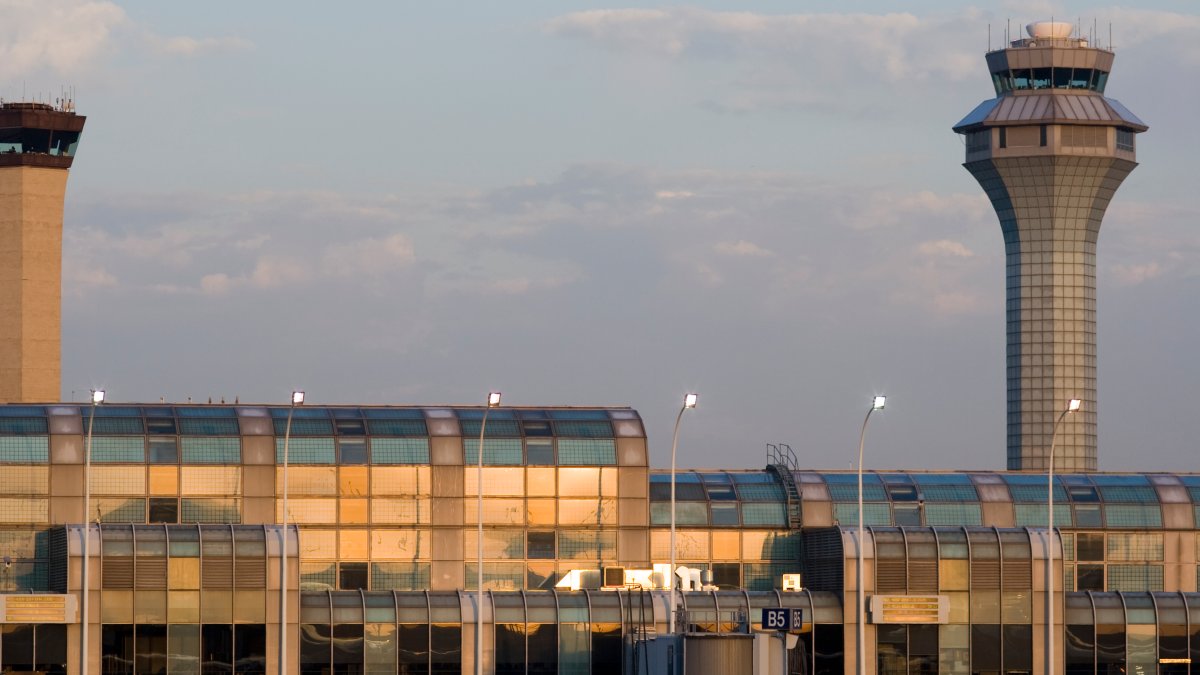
583,204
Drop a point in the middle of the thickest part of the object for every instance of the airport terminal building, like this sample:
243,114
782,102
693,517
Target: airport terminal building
184,552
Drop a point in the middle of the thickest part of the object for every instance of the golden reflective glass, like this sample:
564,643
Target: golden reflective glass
216,607
164,480
352,511
608,481
250,606
308,480
24,510
579,482
497,544
399,480
218,481
318,544
726,545
183,573
1016,607
116,607
354,481
400,544
400,511
495,511
183,606
584,512
26,480
150,607
985,607
497,481
955,574
689,545
540,481
118,480
354,545
960,607
541,511
308,511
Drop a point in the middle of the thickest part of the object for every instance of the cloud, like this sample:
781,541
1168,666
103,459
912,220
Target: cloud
1132,275
741,248
44,38
61,36
183,45
945,247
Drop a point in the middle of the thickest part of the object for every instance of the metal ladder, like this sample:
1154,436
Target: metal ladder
781,461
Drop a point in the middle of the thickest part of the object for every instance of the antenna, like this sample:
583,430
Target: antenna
1110,46
989,37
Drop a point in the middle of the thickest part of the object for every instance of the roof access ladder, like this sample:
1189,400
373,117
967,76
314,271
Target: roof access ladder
781,461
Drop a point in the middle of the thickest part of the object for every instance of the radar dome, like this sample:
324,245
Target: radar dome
1050,29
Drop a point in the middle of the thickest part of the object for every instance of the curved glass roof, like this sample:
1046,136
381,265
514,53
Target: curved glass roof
1092,500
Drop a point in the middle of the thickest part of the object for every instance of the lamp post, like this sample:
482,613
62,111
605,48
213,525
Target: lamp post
689,401
97,399
297,399
1072,406
493,401
876,404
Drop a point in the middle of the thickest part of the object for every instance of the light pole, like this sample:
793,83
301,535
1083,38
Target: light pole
876,404
297,399
1072,406
493,401
97,399
689,401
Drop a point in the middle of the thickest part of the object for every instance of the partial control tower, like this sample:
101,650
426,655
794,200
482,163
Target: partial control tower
1050,151
37,145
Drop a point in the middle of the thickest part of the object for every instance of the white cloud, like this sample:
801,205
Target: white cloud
182,45
275,271
62,36
1131,275
674,194
41,38
741,248
945,247
370,257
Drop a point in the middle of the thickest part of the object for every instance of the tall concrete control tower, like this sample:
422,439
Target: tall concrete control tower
37,146
1050,151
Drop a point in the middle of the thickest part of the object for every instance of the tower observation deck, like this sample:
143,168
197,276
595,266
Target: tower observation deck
1050,151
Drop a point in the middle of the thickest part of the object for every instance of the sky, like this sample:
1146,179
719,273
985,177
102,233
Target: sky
593,204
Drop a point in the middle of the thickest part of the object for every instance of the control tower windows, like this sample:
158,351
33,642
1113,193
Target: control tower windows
1023,79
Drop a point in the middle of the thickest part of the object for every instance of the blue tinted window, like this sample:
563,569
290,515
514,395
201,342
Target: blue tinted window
942,479
23,425
116,425
304,451
949,493
209,426
725,514
31,449
873,514
500,428
953,514
576,414
1088,515
578,451
1141,495
760,492
22,411
119,450
496,451
1034,515
303,427
539,452
400,450
211,450
1108,480
686,513
352,451
764,514
584,429
1036,493
205,411
1122,515
721,492
397,427
393,414
163,451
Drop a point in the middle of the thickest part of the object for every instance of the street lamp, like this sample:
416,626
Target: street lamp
493,401
297,399
1072,406
689,401
876,404
97,399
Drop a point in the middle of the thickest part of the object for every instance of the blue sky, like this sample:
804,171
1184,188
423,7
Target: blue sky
596,204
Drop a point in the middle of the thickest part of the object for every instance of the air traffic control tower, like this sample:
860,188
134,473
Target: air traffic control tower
37,145
1050,151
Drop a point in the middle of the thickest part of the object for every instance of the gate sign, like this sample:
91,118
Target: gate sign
782,618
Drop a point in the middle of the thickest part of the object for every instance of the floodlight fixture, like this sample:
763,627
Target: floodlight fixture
878,403
493,399
689,400
297,398
97,396
1074,405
